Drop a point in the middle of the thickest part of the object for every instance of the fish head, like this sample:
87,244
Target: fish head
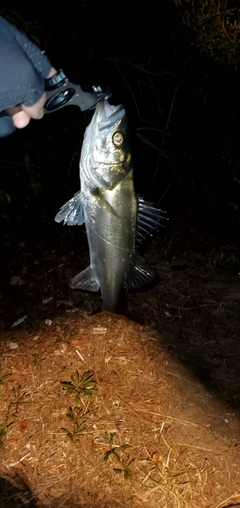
106,156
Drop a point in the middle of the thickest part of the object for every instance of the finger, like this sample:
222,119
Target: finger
36,111
51,73
20,119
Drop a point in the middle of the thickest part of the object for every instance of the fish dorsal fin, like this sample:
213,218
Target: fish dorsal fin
72,212
140,274
85,280
148,219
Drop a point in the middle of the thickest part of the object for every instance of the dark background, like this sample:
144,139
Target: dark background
182,103
176,69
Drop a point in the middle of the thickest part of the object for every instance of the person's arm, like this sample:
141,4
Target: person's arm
37,57
23,70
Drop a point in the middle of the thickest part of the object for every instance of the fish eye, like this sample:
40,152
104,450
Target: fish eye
118,139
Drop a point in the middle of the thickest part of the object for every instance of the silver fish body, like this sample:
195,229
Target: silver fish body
114,217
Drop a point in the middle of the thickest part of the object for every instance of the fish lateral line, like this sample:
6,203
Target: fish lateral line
112,244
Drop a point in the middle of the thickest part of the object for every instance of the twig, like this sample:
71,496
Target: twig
164,136
134,100
80,356
149,143
147,71
13,464
156,129
162,196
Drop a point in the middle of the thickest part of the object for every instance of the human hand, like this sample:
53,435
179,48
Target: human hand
21,115
24,68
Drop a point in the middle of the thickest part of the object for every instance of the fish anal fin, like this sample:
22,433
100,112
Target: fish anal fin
85,280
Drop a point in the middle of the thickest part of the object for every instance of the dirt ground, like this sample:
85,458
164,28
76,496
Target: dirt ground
149,412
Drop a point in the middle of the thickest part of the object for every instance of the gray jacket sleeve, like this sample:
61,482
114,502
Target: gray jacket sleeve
23,68
38,59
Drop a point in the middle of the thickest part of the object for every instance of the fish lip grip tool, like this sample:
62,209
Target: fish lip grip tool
62,92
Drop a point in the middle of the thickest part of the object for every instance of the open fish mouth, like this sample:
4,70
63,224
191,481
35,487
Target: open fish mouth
108,115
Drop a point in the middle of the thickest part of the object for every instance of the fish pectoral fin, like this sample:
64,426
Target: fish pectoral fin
140,274
149,219
103,203
85,280
72,212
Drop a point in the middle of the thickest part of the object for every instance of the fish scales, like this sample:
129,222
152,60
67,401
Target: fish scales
111,237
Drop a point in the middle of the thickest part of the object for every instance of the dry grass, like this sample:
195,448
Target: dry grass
173,458
163,429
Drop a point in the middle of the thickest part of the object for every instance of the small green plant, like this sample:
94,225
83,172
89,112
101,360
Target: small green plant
3,431
35,359
19,400
65,336
125,469
4,376
112,449
113,452
77,416
84,385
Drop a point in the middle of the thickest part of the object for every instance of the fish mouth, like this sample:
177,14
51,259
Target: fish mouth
108,114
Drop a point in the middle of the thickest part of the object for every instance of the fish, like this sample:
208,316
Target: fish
116,219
